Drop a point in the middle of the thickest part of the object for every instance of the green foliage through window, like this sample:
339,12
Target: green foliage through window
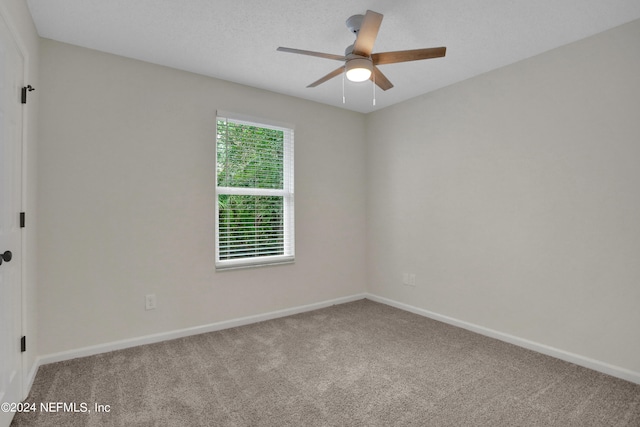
252,191
249,156
250,226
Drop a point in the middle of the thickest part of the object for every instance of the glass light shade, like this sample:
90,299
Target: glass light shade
359,69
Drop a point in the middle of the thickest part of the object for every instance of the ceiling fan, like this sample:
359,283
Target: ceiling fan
359,63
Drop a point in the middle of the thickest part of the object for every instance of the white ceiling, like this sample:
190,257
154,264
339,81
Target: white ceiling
237,40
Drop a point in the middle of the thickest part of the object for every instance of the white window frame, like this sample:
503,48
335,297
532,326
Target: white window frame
287,193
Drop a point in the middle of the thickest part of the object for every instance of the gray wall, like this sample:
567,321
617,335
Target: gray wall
514,198
126,205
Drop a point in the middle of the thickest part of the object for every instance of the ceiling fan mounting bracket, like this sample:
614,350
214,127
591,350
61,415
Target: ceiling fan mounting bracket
354,23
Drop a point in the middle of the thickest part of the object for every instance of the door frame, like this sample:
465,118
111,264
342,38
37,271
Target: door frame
27,375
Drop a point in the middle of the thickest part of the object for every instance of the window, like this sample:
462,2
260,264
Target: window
254,192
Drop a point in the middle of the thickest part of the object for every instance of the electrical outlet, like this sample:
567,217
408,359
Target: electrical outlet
412,279
405,279
150,301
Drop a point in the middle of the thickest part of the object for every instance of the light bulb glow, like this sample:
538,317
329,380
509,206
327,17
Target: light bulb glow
358,74
359,69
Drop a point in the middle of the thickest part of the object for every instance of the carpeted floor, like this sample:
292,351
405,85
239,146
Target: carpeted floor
355,364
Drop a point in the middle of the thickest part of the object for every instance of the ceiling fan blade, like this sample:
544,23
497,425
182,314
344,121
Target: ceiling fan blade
367,33
407,55
380,79
311,53
329,76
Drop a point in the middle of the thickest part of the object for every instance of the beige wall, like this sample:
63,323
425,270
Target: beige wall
18,18
514,198
127,201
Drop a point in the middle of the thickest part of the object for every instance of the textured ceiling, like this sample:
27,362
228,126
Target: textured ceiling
237,40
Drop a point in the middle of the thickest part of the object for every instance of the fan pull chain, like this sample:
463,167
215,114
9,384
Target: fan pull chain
374,89
343,97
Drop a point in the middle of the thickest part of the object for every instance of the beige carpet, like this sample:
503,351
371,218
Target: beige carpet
356,364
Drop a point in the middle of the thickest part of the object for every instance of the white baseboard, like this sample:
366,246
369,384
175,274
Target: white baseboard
577,359
164,336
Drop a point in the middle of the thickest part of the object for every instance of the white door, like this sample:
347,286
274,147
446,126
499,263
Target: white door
11,69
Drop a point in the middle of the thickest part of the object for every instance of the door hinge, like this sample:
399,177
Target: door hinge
22,219
23,344
28,88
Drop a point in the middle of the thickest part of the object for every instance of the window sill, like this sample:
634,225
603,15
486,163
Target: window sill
242,264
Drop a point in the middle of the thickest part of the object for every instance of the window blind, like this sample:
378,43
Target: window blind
254,192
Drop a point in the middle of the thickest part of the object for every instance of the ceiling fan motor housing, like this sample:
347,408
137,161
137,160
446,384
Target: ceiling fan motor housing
349,50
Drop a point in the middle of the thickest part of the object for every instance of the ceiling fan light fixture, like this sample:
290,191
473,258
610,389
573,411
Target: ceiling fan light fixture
359,69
